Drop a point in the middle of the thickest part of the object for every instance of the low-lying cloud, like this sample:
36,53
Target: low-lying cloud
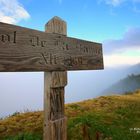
11,11
130,40
125,51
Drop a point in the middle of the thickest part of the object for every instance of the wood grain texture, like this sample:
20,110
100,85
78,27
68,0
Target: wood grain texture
55,124
53,99
59,79
23,49
56,25
57,130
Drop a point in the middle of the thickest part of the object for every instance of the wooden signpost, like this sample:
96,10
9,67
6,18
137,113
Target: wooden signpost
23,49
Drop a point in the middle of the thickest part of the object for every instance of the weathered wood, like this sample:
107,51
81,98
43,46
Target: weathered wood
55,123
53,101
56,25
59,79
56,129
23,49
53,108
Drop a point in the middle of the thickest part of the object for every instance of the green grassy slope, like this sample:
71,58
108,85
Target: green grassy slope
104,118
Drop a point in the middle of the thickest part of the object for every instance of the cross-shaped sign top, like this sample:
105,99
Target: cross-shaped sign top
23,49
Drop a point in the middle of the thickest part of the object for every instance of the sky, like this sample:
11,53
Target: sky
114,23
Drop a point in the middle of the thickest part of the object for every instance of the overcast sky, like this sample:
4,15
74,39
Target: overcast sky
115,23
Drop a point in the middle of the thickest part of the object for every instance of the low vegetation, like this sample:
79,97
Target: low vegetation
115,117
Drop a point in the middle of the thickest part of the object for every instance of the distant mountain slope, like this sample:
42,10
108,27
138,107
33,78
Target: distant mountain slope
96,81
135,69
128,84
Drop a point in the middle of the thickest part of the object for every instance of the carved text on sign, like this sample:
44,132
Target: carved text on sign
23,49
87,49
8,38
35,41
49,58
73,61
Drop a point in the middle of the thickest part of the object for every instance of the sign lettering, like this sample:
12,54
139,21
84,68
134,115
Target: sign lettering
23,49
8,38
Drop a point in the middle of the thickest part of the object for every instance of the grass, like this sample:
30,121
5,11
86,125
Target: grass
103,118
24,136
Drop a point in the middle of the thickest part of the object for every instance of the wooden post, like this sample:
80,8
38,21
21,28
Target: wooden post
55,122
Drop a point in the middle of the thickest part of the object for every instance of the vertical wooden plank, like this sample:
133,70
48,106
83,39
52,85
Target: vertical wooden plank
55,122
56,25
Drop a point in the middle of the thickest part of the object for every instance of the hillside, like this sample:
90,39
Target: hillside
115,117
128,84
134,69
